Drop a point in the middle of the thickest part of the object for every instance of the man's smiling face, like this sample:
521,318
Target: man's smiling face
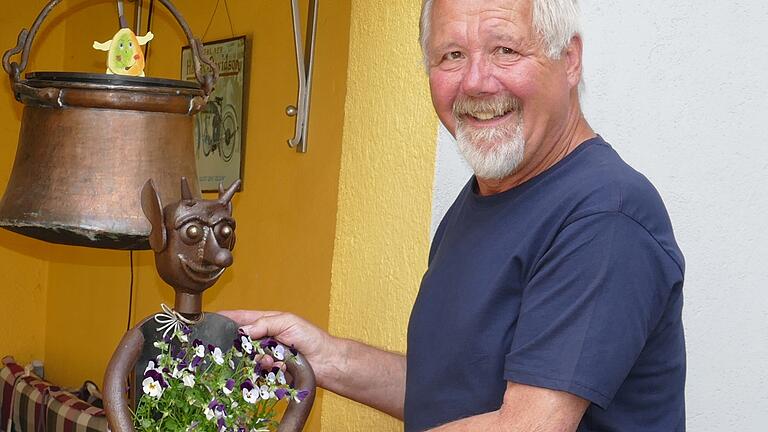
492,83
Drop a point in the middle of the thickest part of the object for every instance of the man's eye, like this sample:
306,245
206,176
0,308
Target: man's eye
453,55
507,51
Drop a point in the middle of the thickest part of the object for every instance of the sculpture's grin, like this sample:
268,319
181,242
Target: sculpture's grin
200,273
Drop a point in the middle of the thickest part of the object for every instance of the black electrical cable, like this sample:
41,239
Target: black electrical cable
130,295
150,14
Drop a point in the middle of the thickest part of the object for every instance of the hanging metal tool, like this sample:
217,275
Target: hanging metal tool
304,63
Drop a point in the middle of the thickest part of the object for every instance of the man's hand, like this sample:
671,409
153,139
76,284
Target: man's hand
315,344
351,369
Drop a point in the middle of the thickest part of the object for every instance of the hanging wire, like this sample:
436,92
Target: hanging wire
229,18
130,295
213,15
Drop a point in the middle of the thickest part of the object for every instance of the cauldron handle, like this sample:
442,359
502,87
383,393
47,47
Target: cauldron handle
26,37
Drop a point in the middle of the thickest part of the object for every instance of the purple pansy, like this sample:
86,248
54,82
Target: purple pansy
301,395
281,393
228,386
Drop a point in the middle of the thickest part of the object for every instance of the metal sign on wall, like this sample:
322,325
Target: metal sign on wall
220,127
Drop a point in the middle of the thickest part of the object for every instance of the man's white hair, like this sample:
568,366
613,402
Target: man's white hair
555,21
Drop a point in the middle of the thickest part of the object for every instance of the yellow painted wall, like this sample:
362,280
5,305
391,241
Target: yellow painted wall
294,252
22,264
387,166
286,214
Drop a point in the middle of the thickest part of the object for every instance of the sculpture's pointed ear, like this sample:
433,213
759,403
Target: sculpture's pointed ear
102,46
153,210
146,38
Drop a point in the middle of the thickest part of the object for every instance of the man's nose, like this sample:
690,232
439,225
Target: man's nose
216,254
479,78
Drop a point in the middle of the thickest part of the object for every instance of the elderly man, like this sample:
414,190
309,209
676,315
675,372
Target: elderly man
553,297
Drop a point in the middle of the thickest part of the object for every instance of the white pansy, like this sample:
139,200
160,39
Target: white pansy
152,387
279,352
208,413
188,379
251,396
265,393
200,350
218,356
281,377
247,345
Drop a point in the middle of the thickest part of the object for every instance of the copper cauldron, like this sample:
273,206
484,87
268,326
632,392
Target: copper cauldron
89,142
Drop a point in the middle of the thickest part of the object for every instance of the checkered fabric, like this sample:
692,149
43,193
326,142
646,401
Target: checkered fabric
29,399
67,413
9,373
35,405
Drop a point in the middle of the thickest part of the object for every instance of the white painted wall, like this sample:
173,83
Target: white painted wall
680,89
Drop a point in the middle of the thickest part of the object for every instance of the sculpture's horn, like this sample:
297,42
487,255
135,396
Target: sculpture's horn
226,197
186,193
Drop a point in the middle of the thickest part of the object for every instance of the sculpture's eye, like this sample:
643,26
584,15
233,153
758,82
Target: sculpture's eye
192,233
224,232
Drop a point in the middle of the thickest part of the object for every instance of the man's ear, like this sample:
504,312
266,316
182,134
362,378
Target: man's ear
153,210
573,55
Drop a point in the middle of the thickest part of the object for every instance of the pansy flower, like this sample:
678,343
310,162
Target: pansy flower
195,363
281,393
181,354
250,393
153,384
150,366
279,352
300,395
188,379
265,392
228,386
218,356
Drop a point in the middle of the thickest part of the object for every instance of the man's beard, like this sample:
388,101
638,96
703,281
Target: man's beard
492,152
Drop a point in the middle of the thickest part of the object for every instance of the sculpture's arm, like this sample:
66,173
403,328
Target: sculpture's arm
120,367
303,379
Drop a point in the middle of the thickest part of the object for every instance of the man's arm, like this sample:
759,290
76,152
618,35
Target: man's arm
351,369
526,409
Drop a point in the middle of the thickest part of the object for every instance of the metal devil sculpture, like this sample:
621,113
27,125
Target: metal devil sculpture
192,240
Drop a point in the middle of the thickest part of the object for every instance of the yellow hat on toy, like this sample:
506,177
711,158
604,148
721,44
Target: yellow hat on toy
125,57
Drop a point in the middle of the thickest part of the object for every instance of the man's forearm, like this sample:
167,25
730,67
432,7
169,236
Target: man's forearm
367,375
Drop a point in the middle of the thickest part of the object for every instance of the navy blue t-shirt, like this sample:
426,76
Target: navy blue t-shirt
571,281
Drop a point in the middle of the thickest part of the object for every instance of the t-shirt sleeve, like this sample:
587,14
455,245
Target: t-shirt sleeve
590,304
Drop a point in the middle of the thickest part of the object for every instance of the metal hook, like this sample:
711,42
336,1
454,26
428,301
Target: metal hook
304,66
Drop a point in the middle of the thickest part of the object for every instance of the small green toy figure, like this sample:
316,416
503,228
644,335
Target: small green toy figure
125,57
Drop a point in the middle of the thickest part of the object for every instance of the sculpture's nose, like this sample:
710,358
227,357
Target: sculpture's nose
223,258
216,254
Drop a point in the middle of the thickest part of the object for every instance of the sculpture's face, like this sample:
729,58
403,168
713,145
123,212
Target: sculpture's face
201,235
125,55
